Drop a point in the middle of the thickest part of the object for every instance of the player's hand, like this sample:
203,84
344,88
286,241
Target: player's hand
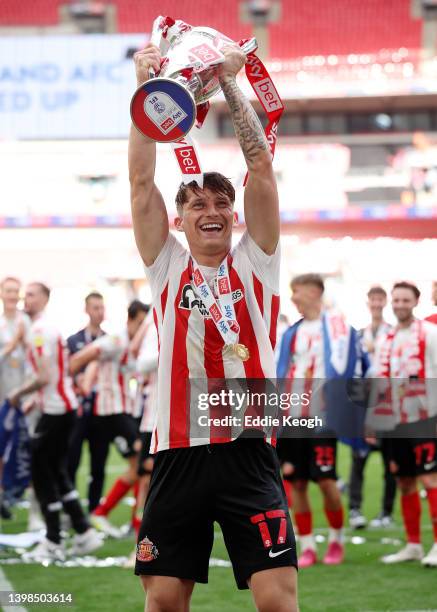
147,58
13,399
29,405
234,61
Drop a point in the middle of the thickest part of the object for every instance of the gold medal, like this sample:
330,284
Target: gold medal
241,351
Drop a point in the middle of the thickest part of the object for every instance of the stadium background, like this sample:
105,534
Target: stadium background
356,165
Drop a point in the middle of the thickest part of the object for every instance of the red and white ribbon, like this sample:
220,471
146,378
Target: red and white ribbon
188,160
266,92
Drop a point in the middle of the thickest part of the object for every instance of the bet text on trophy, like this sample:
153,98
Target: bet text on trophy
167,105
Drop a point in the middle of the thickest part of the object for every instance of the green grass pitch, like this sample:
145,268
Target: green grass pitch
361,584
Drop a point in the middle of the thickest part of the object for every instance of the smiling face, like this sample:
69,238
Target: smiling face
403,302
35,299
207,218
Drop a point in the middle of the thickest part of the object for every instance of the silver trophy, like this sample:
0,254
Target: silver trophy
166,106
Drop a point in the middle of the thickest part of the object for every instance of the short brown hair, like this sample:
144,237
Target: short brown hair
407,285
93,295
211,180
43,288
377,290
309,279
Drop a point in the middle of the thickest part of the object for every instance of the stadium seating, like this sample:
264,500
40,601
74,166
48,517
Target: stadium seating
314,27
317,27
36,13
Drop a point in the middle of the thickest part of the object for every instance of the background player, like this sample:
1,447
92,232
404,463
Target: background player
147,376
311,352
113,406
371,336
196,481
14,367
95,309
50,440
407,357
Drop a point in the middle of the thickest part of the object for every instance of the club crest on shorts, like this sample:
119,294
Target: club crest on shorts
146,550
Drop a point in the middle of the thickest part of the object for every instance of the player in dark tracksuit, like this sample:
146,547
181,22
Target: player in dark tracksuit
95,309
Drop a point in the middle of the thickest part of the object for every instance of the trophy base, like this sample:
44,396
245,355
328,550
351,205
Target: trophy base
163,109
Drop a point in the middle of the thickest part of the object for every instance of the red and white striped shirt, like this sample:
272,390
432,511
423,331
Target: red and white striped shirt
190,346
46,343
116,368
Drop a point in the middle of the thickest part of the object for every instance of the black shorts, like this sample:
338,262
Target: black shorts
312,458
146,438
117,428
414,456
237,484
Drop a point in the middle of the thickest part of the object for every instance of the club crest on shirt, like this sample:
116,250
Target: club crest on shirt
189,300
146,550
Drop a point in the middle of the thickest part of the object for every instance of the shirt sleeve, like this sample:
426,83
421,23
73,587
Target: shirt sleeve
158,272
266,267
110,346
148,356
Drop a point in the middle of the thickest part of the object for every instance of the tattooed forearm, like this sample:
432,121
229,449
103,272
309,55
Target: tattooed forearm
248,128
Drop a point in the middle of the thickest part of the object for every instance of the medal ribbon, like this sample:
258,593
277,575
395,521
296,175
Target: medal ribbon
222,311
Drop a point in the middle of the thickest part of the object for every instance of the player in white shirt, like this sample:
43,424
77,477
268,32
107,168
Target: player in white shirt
371,336
14,367
13,324
147,367
199,295
318,348
50,440
113,406
408,360
147,377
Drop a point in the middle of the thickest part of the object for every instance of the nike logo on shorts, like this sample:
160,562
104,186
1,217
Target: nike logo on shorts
325,468
429,466
272,554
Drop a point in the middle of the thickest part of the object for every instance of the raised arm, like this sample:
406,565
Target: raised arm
149,215
82,358
261,206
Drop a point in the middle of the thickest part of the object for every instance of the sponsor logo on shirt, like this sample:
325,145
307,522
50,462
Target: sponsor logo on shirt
190,301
